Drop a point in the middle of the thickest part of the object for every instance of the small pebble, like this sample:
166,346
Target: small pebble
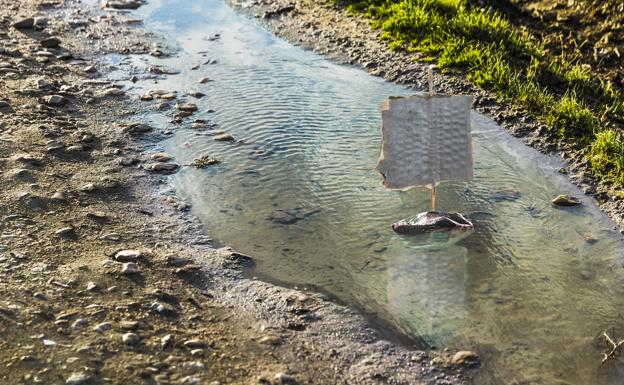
130,339
127,255
284,378
78,379
104,326
194,343
129,268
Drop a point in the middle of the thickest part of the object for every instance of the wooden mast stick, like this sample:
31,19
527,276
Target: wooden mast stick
431,93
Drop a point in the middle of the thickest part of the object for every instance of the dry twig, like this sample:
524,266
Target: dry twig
615,348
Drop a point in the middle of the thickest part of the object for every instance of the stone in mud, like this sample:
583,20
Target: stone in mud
75,149
97,215
51,42
89,187
137,128
54,100
130,339
122,4
195,344
28,159
4,104
198,126
40,22
129,268
278,11
129,325
161,157
157,52
158,93
163,309
166,341
26,23
54,145
58,196
169,96
102,327
112,237
33,202
165,168
126,162
432,221
284,378
187,107
112,92
22,173
566,200
78,379
465,357
189,380
204,80
197,94
66,232
127,256
162,70
183,114
43,85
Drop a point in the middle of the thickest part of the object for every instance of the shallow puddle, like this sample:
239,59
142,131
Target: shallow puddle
531,288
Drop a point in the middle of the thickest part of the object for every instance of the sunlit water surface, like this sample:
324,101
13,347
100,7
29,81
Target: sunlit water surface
525,289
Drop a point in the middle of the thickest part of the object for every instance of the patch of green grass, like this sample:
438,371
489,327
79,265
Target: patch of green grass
558,90
607,155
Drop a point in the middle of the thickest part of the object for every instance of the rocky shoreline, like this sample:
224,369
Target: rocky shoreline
109,280
330,30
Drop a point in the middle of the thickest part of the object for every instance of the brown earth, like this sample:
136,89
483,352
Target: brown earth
76,190
588,31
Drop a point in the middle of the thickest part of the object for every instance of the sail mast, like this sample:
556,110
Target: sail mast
433,184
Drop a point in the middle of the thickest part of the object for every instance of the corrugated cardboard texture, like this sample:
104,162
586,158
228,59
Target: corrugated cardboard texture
426,140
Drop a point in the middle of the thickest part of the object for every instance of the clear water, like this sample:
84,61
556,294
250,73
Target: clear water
525,289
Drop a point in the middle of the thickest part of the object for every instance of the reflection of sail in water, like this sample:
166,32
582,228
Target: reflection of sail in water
427,289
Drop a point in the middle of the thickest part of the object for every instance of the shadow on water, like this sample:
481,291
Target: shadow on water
530,288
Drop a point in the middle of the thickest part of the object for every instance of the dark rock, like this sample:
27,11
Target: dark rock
51,42
26,23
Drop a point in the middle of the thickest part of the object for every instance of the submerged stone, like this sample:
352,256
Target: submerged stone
566,200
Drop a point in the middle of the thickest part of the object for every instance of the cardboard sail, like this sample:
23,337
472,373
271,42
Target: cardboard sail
426,140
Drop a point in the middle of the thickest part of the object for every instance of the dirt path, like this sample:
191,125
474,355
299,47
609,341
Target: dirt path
107,281
347,38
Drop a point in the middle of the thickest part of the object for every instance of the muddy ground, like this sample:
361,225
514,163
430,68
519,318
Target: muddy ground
105,280
330,30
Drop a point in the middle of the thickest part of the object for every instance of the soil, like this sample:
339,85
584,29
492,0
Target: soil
590,31
347,38
107,280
